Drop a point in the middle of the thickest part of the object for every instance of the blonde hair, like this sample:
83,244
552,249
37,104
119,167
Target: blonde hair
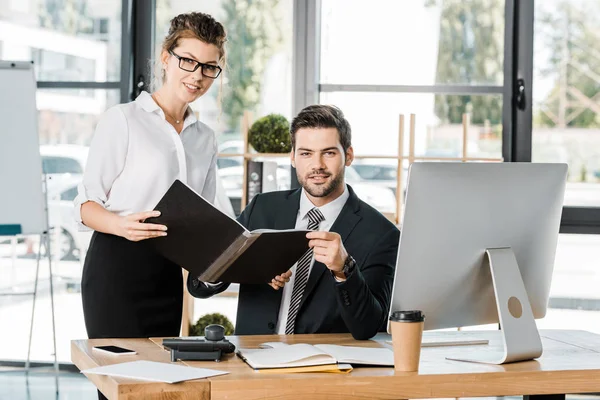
194,25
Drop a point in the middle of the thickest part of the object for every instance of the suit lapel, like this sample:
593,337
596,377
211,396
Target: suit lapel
286,217
344,225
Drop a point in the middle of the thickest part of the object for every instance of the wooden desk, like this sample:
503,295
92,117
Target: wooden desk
570,364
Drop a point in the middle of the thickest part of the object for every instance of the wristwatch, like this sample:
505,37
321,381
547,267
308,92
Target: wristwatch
347,269
349,266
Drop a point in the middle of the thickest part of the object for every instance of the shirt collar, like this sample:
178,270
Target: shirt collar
146,101
148,104
330,210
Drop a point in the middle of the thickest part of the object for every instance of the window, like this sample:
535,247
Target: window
573,295
67,118
66,126
61,165
419,42
374,121
438,128
376,172
258,77
78,68
258,64
566,94
63,48
440,60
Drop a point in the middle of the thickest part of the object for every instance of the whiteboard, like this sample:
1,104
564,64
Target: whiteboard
21,190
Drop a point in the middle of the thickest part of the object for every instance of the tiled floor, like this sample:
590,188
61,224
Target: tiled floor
40,384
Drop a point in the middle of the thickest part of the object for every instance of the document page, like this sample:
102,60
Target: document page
154,371
359,355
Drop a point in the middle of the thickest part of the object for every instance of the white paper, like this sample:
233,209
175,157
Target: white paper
154,371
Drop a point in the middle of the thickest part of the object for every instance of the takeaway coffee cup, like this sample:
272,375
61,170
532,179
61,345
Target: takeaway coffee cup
407,331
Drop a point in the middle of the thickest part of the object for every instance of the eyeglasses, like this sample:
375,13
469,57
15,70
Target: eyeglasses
187,64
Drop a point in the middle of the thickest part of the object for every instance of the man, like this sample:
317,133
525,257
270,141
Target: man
344,283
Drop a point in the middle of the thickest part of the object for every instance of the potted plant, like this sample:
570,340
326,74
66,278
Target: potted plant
215,318
270,134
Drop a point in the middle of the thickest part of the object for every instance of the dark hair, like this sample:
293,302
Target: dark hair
322,116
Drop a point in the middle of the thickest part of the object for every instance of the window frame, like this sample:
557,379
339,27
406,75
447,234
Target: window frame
518,65
577,220
137,38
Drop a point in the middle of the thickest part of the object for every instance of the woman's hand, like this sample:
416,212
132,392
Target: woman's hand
132,227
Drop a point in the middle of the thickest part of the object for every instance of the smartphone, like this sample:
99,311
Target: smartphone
115,350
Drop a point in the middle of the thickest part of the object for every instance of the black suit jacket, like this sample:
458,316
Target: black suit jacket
358,305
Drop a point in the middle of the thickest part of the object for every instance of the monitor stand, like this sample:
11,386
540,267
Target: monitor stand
519,332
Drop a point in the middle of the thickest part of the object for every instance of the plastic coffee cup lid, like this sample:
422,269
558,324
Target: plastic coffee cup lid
407,316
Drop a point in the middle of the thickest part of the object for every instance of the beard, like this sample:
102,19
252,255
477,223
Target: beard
324,189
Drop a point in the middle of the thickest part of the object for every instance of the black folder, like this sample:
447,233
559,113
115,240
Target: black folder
216,248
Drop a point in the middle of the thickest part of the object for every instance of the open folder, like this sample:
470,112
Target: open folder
282,355
216,248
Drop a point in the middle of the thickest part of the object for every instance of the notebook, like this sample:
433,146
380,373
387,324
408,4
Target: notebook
282,355
216,248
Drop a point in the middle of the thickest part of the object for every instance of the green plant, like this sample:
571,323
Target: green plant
215,318
270,134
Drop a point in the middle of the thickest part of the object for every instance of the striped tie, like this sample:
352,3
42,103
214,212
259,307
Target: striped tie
314,219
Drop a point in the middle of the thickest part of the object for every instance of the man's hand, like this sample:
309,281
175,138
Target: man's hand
329,250
280,280
132,227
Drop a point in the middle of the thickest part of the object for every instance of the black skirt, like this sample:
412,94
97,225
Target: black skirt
129,291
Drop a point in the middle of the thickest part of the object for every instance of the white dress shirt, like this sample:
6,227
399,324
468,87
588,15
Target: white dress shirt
136,155
330,211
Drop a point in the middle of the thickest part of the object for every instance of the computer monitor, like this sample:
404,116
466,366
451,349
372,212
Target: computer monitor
463,223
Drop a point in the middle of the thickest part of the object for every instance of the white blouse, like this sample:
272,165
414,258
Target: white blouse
135,156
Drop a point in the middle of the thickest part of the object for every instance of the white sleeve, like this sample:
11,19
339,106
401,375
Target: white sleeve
210,184
106,160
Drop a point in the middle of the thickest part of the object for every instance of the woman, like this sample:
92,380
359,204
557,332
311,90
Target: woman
138,150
